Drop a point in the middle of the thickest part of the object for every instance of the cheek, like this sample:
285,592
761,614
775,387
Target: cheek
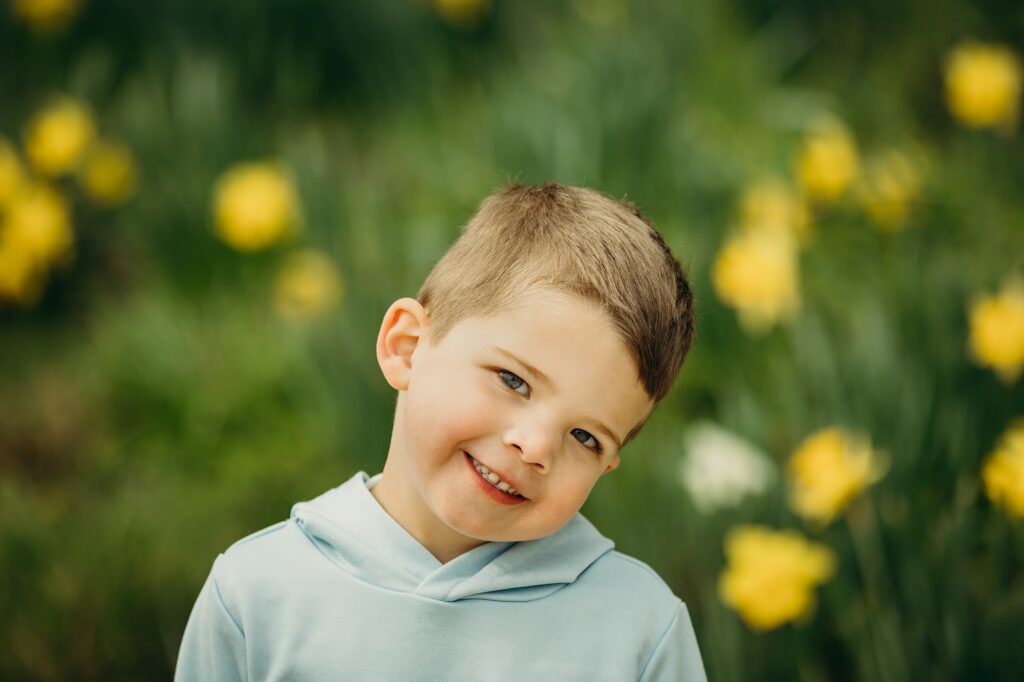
579,493
566,502
459,409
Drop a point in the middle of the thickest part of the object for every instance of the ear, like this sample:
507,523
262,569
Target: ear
612,465
403,329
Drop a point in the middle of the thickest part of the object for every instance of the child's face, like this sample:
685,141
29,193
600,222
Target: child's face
474,395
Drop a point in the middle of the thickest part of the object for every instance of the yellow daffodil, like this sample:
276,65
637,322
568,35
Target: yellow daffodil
35,234
461,12
770,576
37,225
983,84
827,471
889,189
12,175
827,163
1003,471
45,15
255,206
307,285
58,136
20,279
773,206
756,274
108,174
997,331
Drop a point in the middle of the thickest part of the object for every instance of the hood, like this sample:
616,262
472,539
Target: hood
353,531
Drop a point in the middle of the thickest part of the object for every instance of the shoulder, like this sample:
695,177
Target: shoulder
622,570
649,618
259,540
632,588
259,562
257,547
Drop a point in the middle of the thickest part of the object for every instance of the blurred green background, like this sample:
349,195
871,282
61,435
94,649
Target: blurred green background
160,398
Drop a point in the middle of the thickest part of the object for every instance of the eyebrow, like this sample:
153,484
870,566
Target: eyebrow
598,426
525,365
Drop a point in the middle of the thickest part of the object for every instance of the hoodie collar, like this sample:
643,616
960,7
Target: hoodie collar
352,530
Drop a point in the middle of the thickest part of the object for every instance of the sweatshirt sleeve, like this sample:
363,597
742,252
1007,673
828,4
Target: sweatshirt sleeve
676,657
213,646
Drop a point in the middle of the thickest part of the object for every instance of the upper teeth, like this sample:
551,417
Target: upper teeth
494,479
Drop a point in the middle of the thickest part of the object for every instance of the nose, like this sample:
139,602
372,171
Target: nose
535,443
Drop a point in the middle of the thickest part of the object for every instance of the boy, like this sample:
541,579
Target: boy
537,348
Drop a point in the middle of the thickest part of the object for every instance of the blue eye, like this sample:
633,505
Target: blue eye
514,382
585,438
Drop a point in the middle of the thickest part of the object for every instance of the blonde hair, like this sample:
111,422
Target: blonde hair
576,240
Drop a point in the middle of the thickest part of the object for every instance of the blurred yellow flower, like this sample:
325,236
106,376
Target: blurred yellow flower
829,469
37,225
20,280
35,234
307,285
12,175
461,12
770,575
108,174
889,189
997,331
827,163
983,84
1003,471
255,205
773,206
756,274
58,136
45,15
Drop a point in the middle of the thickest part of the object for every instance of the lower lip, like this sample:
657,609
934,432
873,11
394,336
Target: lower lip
492,492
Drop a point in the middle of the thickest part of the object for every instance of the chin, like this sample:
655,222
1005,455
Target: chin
470,528
496,535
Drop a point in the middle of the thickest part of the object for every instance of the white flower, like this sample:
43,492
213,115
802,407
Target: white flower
719,468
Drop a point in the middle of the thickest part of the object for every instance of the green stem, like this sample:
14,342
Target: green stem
884,627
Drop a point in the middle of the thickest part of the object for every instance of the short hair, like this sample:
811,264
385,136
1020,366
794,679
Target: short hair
579,241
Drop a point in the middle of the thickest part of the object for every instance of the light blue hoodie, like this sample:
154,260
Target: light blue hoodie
340,591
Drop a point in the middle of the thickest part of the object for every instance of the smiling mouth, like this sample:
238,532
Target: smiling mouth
494,479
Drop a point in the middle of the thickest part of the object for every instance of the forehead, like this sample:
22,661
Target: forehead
572,342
